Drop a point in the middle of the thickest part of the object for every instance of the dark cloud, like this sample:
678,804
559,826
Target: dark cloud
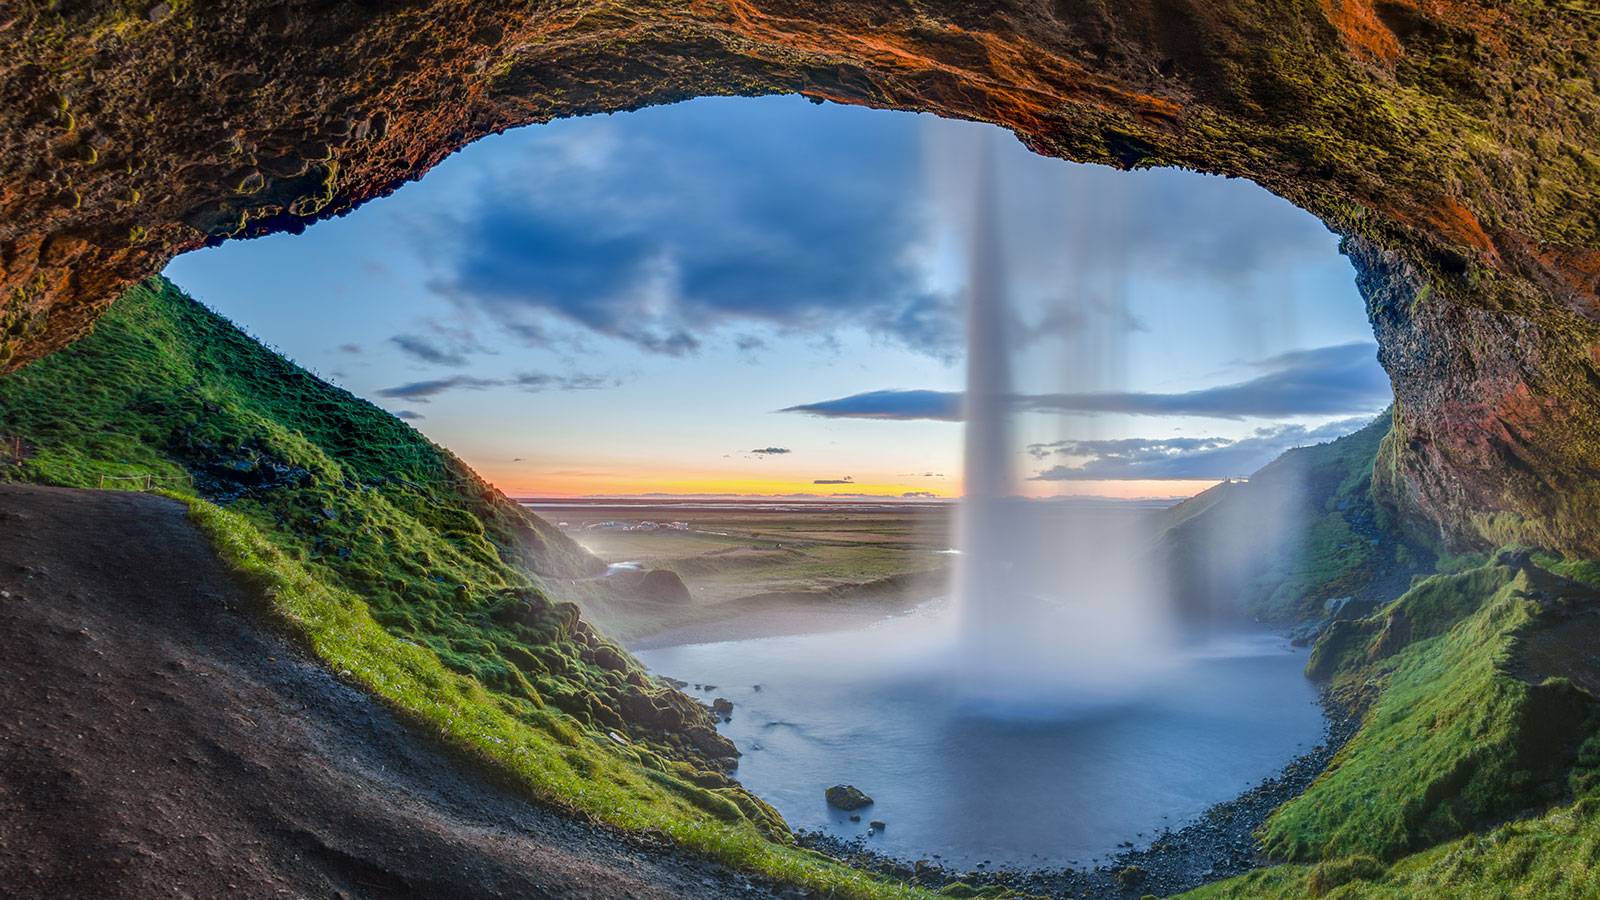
657,235
350,348
669,229
941,405
541,381
1181,458
428,351
845,480
408,415
1334,380
1337,380
421,391
920,495
770,451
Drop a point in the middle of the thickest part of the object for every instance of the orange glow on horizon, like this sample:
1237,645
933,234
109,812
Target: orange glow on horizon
517,481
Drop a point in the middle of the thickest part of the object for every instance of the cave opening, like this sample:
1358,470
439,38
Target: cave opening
726,339
577,318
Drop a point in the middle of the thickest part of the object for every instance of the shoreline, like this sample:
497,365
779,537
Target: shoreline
1219,844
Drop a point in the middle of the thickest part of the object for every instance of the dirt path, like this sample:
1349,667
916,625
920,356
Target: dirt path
156,741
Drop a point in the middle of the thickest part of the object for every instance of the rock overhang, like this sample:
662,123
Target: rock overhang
1455,145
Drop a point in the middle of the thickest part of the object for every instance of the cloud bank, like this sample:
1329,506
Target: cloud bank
655,235
671,227
1338,380
426,390
1162,459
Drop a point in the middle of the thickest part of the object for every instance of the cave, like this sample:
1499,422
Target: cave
1454,146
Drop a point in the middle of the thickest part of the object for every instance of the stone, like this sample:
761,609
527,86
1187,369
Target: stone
847,797
722,707
663,585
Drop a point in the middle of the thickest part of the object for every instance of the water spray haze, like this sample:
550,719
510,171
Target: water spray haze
1053,610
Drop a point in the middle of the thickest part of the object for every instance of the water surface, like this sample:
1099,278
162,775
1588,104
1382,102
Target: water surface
1030,783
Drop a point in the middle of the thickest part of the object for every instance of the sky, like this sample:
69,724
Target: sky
765,296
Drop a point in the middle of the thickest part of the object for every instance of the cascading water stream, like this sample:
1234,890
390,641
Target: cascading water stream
985,585
1053,607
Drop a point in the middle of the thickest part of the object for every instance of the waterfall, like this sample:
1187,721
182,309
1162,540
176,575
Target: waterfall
1053,605
986,586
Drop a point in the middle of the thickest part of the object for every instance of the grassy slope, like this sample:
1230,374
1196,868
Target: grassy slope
1304,529
1453,742
396,564
554,757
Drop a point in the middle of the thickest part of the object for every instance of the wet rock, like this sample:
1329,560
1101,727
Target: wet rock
722,708
1307,634
847,797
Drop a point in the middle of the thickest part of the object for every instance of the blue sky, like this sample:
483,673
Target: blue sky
639,302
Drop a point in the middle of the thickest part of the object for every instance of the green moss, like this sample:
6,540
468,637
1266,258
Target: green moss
1454,741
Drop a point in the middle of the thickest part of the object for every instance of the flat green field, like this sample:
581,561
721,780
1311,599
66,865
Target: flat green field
755,567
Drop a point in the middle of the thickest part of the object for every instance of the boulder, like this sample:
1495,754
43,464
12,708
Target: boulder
847,797
663,585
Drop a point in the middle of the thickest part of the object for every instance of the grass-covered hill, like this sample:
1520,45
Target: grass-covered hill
167,389
395,564
1476,771
1305,529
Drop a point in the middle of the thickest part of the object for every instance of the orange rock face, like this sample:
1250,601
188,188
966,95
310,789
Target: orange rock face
1455,143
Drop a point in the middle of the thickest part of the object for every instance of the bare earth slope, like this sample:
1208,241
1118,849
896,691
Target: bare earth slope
157,740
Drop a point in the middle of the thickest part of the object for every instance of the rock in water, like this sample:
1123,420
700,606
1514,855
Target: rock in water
722,708
847,797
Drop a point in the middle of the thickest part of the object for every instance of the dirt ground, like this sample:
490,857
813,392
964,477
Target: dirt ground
156,740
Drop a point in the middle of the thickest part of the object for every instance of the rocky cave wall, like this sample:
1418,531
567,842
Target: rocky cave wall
1456,145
